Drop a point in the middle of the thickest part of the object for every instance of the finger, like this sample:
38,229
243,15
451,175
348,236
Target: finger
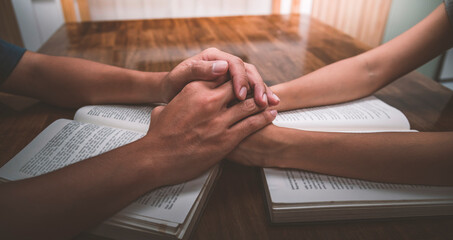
252,124
207,70
223,78
226,91
201,70
223,94
240,111
259,88
236,68
220,80
272,98
260,95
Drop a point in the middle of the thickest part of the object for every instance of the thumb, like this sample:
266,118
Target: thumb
208,70
155,114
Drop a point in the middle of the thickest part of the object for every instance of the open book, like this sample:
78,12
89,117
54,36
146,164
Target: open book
364,115
301,196
165,213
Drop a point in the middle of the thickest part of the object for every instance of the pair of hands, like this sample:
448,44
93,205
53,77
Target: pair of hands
213,65
199,126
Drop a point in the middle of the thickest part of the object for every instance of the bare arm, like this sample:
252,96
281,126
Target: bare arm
362,75
415,158
63,203
419,158
60,204
73,82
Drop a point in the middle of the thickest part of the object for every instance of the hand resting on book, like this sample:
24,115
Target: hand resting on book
397,157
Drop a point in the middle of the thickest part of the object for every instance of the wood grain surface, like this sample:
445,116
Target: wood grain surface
282,48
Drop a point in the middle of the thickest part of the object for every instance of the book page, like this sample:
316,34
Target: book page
170,203
131,117
297,186
62,143
146,224
364,115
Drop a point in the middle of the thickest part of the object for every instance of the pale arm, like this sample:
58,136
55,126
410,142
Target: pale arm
419,158
362,75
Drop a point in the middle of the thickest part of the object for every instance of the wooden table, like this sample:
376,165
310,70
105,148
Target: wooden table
282,48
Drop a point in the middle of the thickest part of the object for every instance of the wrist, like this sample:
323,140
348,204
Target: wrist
297,148
149,173
149,86
284,92
311,151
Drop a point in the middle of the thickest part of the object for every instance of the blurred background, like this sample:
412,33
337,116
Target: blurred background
29,23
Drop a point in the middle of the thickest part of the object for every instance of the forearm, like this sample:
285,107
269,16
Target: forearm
342,81
62,203
416,158
72,82
361,75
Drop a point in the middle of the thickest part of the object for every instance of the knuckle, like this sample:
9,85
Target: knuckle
209,107
213,98
219,129
209,102
267,117
211,50
259,86
196,67
187,63
204,101
249,105
253,124
192,87
258,121
237,60
250,67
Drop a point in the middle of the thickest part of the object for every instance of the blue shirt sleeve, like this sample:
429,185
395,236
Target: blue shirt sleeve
10,56
449,9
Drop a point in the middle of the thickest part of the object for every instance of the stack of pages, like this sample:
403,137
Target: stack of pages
300,196
165,213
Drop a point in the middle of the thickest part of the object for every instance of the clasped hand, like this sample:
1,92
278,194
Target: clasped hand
199,126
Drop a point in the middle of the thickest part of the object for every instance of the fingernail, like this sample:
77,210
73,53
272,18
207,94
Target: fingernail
276,97
274,113
265,97
219,66
243,93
